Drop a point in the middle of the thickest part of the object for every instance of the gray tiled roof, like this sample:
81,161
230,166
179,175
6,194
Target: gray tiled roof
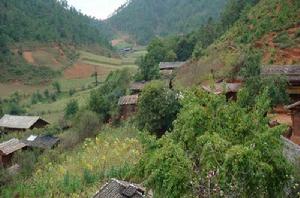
18,122
120,189
170,65
291,71
128,100
137,86
220,88
44,142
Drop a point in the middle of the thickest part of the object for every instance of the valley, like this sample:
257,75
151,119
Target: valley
181,98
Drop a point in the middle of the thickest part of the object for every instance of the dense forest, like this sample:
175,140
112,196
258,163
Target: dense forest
145,19
47,21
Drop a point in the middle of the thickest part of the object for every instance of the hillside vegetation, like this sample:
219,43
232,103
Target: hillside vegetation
146,19
52,29
271,28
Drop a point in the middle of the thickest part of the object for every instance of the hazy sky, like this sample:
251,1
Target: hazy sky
100,9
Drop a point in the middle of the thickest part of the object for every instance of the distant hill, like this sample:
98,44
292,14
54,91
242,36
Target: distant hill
272,27
48,21
27,25
145,19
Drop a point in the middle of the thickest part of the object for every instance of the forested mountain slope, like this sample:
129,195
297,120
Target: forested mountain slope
47,20
145,19
271,28
50,24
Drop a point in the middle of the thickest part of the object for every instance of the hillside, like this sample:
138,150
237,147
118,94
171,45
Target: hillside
271,27
53,30
145,19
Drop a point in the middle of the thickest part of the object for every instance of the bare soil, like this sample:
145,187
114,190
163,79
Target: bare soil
28,57
83,70
272,51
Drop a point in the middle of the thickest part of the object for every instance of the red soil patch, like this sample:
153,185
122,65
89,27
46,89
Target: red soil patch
295,139
116,42
279,55
82,70
28,57
282,118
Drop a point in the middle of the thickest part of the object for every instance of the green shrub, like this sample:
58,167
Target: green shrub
104,100
157,108
71,109
86,124
297,34
89,177
284,40
57,87
70,184
13,108
72,92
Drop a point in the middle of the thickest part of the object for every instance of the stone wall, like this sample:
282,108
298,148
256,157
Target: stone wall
291,151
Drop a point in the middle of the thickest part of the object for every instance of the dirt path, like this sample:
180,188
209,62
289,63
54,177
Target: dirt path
28,57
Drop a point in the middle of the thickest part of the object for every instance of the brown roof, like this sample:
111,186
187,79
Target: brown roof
11,146
292,106
291,71
128,100
120,189
220,88
137,86
170,65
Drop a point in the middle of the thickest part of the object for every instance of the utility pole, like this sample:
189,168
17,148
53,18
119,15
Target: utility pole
96,77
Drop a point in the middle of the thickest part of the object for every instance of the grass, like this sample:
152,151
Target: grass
226,54
53,111
80,172
86,56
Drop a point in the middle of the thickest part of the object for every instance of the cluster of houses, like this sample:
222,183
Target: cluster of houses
128,104
289,115
11,123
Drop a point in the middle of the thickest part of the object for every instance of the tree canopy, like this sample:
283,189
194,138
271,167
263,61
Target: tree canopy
48,21
232,150
146,19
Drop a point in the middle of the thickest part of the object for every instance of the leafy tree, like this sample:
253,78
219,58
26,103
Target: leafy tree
13,108
104,100
233,151
163,18
36,97
86,124
167,170
46,94
157,108
255,83
71,109
56,86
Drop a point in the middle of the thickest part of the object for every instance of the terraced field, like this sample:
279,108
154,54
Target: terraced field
75,76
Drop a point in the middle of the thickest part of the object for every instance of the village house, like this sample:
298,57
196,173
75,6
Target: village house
128,105
43,142
291,72
295,113
229,89
167,68
7,150
21,123
170,65
137,87
121,189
